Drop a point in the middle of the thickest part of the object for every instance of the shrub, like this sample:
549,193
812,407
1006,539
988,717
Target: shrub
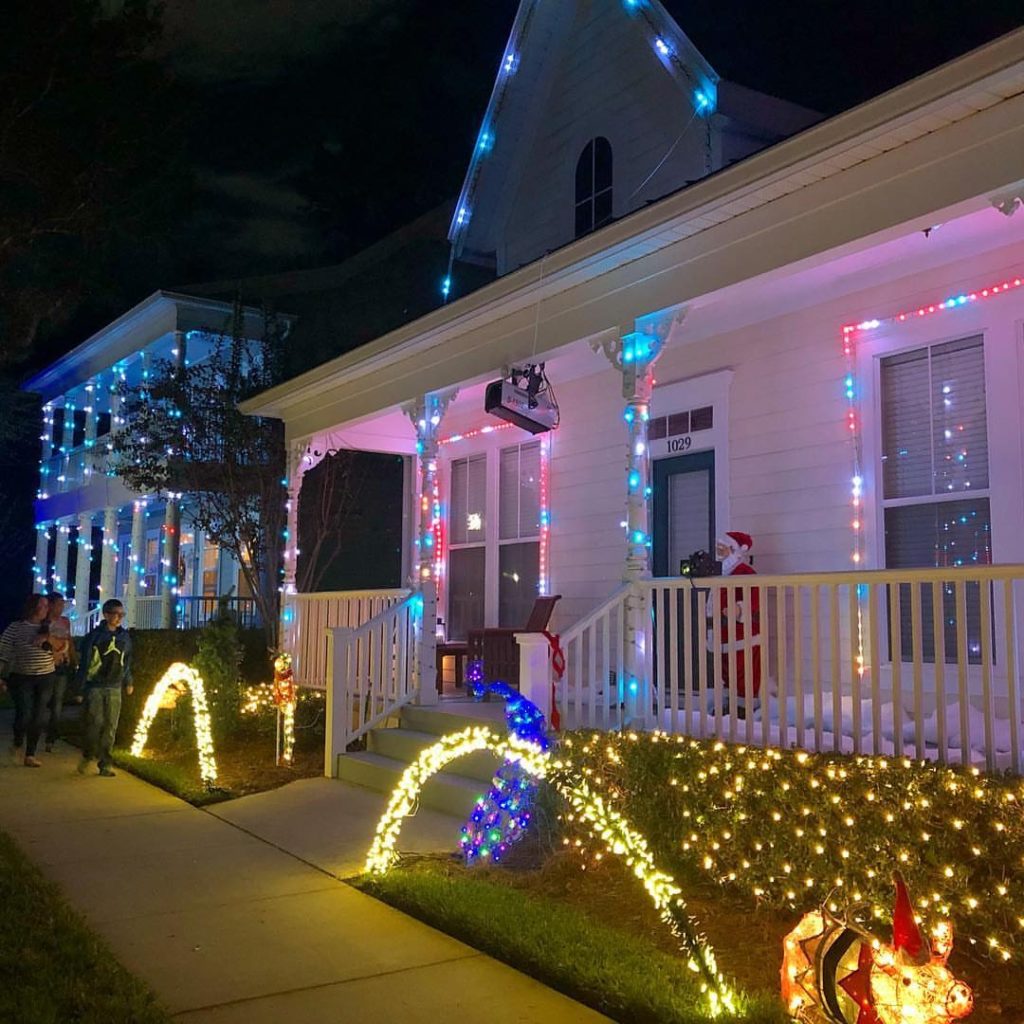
787,829
217,660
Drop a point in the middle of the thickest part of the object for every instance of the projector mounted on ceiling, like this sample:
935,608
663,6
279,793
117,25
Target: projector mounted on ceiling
525,397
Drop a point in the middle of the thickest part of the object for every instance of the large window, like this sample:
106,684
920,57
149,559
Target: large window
467,539
935,474
519,524
494,549
594,173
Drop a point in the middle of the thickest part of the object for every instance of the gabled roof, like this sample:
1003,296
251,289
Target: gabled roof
948,138
539,33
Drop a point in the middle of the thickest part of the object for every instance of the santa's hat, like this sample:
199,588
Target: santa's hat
738,540
906,936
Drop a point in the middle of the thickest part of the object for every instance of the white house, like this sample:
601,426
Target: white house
95,538
819,344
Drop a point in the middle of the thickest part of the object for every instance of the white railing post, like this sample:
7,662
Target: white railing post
338,719
535,670
426,646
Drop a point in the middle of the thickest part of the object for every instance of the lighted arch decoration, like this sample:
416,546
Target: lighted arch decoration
605,823
179,675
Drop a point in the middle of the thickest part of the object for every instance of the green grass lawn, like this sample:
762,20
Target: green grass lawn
53,969
616,973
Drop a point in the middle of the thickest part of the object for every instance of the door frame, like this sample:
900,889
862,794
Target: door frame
691,462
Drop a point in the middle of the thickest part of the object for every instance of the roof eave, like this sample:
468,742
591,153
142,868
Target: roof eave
817,143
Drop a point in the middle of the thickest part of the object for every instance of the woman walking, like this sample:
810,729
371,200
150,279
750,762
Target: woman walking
26,669
64,664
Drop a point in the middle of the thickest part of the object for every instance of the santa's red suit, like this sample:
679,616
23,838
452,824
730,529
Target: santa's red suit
734,550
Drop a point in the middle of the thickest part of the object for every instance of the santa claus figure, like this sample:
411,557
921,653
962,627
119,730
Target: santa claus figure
733,626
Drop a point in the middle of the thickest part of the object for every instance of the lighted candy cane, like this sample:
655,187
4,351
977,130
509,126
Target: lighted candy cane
181,674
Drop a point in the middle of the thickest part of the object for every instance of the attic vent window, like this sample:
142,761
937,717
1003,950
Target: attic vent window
594,186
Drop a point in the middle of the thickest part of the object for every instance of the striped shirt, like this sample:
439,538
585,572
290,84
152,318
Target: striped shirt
19,653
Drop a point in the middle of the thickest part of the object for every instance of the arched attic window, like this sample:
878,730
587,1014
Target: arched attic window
594,186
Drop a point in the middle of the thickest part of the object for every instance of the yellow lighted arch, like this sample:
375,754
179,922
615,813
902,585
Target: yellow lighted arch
605,823
449,748
181,674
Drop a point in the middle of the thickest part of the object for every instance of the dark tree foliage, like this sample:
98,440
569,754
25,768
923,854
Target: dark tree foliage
184,434
90,158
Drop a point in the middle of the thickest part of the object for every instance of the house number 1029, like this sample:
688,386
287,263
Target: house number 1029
680,444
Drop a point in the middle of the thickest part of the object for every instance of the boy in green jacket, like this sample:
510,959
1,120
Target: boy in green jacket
104,671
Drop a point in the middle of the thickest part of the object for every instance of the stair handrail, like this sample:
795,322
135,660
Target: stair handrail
372,675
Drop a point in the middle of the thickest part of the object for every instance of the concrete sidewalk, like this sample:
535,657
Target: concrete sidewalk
238,914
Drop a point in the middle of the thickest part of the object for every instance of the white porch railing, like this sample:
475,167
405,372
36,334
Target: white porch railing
84,624
148,613
308,617
374,672
918,663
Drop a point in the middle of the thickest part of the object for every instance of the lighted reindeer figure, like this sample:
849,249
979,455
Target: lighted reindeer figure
834,973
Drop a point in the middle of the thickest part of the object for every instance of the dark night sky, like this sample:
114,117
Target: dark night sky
324,124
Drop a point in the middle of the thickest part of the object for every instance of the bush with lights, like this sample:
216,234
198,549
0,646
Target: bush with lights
788,829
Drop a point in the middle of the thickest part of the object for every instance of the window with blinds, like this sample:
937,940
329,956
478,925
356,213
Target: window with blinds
467,539
519,507
468,520
935,473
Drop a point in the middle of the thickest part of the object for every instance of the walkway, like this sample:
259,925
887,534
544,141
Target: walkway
239,915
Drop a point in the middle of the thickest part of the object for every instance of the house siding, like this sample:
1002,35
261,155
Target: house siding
790,460
609,82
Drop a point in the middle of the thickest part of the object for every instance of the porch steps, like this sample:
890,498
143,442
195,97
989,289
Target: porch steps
390,751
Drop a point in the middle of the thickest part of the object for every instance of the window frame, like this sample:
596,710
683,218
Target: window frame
935,498
903,341
483,542
518,538
590,195
493,542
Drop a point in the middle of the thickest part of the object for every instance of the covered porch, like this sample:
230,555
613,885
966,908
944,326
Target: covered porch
756,353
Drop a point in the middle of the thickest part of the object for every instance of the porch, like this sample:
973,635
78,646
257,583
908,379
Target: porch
923,664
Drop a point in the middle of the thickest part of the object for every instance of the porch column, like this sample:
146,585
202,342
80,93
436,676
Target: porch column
47,480
108,557
293,482
137,556
426,414
634,355
90,430
40,570
84,565
60,558
169,559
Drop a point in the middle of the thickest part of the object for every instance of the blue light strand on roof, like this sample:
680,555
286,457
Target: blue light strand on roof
704,98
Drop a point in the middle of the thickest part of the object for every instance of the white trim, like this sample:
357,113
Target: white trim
678,396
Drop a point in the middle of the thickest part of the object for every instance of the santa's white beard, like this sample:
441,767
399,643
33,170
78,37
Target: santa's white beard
730,563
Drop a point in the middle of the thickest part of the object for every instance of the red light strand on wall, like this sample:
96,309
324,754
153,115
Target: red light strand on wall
479,431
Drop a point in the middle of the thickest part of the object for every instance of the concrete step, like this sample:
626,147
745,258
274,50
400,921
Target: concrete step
450,794
405,745
440,723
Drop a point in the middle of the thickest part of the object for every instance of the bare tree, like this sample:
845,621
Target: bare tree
330,497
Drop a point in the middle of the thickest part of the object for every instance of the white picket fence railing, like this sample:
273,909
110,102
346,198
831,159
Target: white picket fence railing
306,619
373,671
81,625
919,663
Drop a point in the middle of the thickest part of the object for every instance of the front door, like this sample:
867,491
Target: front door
684,510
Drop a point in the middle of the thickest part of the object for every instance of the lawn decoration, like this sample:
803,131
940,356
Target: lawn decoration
835,973
501,817
528,754
285,697
177,679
